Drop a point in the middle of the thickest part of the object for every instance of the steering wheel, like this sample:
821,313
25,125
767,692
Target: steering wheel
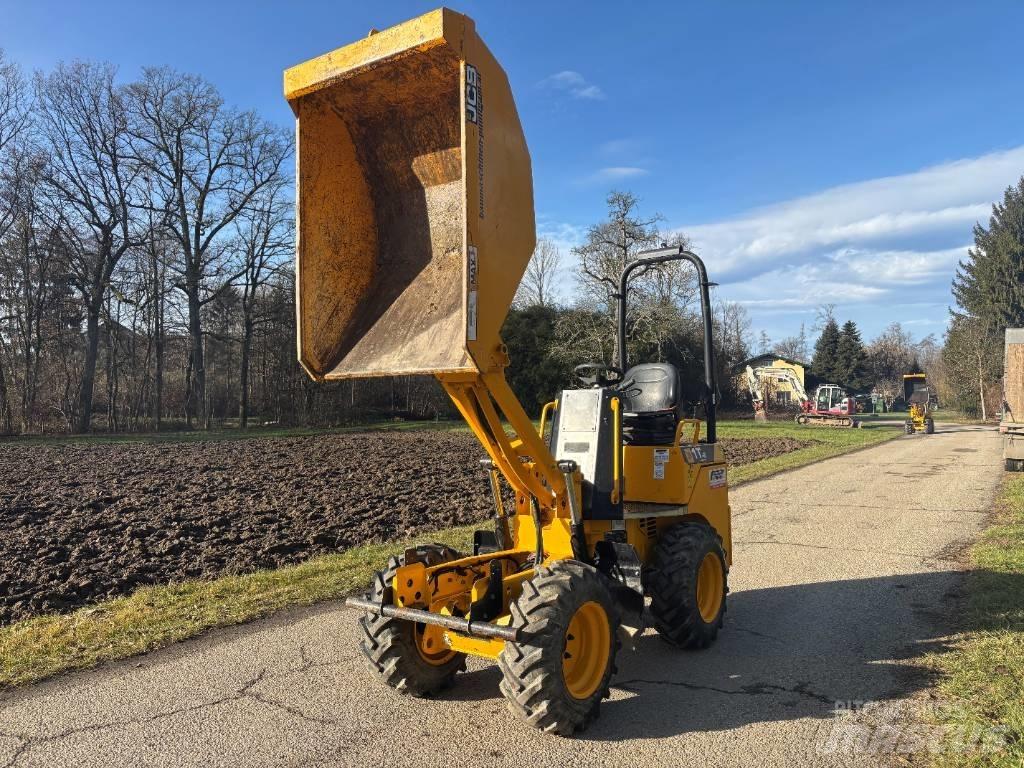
598,374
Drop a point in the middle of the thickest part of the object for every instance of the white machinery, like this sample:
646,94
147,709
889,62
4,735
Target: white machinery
831,406
755,383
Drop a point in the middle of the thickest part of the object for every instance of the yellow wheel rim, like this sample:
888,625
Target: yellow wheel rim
431,646
588,641
710,587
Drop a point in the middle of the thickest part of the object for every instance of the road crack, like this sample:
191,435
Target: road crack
754,689
22,746
31,741
755,633
246,691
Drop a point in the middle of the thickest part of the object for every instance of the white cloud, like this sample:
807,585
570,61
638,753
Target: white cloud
618,147
873,248
942,201
574,84
621,172
613,173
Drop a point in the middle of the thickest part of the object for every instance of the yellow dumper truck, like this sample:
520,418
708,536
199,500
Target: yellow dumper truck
415,224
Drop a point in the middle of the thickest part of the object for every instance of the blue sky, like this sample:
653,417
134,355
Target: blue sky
816,152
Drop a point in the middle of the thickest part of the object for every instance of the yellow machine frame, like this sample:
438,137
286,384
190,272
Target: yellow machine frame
414,226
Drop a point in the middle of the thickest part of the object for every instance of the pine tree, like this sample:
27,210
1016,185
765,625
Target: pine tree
851,358
826,353
989,285
989,291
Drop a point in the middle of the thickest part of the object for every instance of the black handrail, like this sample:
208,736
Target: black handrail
660,256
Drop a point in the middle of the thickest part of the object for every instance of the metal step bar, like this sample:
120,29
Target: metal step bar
465,626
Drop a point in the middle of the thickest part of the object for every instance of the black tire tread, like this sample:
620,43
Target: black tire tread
387,643
671,583
532,681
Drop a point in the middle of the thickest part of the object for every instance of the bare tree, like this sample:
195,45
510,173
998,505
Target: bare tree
794,347
84,123
264,234
29,274
210,162
657,294
973,357
823,315
733,336
15,100
890,356
538,284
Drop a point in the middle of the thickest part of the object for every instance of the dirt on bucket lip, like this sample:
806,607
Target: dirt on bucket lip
86,522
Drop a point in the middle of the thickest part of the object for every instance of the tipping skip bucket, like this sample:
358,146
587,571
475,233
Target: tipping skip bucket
415,202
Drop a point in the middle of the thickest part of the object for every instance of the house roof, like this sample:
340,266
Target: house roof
771,356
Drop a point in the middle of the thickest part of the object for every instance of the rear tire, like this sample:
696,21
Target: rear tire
555,677
909,427
688,581
391,646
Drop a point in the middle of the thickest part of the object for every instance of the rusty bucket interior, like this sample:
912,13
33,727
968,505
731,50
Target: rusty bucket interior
382,272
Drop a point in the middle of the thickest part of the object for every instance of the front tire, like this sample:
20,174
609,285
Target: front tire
395,649
555,677
929,427
688,581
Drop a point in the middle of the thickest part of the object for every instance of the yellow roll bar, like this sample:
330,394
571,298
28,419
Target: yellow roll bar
548,408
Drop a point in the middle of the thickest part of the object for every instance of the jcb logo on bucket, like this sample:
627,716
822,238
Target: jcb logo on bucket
472,93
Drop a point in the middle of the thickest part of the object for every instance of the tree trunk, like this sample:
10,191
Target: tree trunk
243,395
158,376
195,332
6,424
188,391
981,388
85,391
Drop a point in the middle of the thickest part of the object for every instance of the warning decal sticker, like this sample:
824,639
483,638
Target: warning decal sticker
472,294
716,477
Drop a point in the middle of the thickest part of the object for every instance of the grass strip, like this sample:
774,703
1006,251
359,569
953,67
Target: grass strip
982,674
829,442
153,617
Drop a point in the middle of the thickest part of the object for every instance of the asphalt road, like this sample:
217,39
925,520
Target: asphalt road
845,573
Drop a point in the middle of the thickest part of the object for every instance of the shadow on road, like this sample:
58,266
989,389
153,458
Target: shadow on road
784,653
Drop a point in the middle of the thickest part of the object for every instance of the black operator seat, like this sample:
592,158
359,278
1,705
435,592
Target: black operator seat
652,404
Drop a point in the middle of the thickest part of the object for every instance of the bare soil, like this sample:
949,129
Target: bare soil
85,522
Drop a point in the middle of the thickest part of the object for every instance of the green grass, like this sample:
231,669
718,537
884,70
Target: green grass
153,617
830,442
982,675
956,417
